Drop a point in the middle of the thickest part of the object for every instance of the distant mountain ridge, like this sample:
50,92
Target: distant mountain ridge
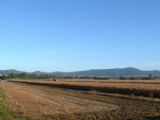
4,72
130,71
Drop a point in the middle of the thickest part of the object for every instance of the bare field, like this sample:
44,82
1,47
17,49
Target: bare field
48,102
145,88
39,102
135,84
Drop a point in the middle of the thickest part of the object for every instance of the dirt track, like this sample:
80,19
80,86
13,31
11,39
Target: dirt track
54,103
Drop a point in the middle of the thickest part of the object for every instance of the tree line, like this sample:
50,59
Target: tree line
25,76
53,77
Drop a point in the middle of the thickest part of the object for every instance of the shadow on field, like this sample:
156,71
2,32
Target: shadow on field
113,90
153,118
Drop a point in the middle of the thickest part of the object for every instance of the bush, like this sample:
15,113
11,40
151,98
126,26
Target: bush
122,78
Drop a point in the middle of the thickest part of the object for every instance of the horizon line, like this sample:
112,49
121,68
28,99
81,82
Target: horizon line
79,70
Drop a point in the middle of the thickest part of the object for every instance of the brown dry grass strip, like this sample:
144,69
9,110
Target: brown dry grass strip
145,90
37,103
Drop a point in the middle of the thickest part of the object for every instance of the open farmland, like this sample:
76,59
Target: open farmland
40,100
146,88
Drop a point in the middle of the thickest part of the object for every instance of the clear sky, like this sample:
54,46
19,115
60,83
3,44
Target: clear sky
70,35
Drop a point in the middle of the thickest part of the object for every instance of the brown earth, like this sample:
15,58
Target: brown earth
43,102
146,88
134,84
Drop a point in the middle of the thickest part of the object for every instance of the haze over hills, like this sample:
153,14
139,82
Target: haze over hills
4,72
110,72
96,72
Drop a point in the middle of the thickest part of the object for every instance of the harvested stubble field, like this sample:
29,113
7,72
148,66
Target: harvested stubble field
43,101
145,88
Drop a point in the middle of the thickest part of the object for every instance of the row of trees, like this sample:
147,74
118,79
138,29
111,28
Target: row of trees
25,76
149,77
46,76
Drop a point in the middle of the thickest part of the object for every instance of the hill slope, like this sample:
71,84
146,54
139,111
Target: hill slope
109,72
97,72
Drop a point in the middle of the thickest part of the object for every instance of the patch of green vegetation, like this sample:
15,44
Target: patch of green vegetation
5,111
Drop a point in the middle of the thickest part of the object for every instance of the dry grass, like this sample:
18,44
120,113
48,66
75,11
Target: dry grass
135,84
45,102
146,88
39,103
138,84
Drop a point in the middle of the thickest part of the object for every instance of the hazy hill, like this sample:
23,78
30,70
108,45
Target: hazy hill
97,72
4,72
39,73
110,72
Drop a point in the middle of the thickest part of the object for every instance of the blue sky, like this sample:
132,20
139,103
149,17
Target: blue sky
70,35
